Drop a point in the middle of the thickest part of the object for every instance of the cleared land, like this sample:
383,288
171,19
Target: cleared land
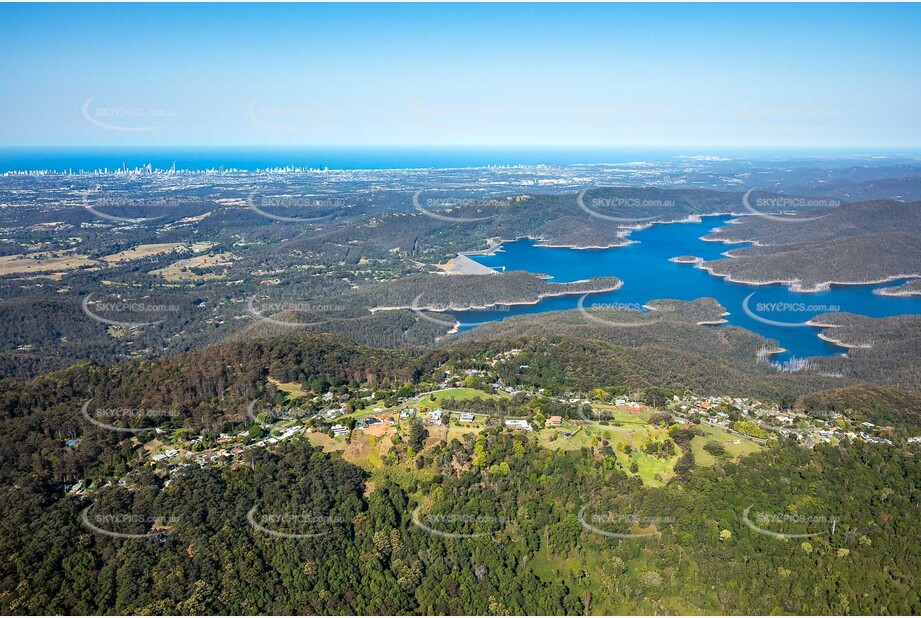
142,251
43,262
460,394
183,270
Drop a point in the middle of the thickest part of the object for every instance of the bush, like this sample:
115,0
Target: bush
715,448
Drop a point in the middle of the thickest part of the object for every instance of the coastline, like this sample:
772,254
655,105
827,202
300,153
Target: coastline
837,342
687,259
840,343
623,233
795,285
894,292
510,303
722,320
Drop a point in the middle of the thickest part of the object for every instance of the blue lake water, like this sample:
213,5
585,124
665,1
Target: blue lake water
647,274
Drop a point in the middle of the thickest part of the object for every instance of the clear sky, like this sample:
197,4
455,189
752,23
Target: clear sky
830,75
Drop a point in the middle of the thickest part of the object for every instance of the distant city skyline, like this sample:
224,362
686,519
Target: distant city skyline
573,75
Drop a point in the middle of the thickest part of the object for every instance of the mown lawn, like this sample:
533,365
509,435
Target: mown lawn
438,398
734,445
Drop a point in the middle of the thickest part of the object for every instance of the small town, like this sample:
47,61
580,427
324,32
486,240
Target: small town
470,401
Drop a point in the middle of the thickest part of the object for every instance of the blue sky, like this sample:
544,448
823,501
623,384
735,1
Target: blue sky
842,75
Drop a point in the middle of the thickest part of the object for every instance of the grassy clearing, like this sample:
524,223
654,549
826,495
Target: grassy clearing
183,270
328,444
293,389
460,394
141,251
43,262
633,434
734,445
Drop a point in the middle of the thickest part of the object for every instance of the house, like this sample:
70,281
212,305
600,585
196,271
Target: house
339,430
518,424
372,421
72,443
555,421
435,416
466,417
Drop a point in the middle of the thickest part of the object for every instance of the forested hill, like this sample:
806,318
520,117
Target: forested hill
690,548
490,522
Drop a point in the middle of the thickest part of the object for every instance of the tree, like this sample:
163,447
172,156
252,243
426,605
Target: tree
417,435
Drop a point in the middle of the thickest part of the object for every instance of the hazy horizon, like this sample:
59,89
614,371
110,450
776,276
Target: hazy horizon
356,75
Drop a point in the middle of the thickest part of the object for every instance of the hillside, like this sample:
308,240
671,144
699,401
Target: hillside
868,258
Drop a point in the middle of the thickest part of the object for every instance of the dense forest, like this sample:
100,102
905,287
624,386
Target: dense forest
494,523
520,547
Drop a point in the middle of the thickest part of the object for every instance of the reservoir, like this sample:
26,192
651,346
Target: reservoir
647,274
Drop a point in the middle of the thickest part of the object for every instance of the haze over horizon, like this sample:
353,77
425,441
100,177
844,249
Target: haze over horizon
613,76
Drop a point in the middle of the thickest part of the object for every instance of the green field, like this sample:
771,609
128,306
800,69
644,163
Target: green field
438,398
735,446
634,431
